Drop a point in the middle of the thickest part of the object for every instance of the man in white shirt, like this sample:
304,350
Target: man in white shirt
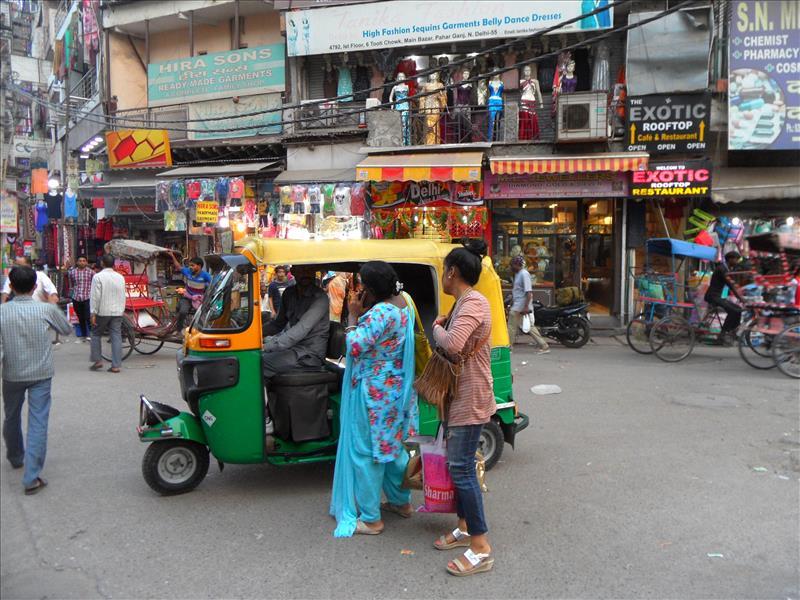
45,290
522,304
107,306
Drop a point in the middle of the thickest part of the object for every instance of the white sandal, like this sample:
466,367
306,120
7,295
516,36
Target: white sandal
461,539
481,563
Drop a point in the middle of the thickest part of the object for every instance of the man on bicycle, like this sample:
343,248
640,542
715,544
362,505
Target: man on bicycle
720,279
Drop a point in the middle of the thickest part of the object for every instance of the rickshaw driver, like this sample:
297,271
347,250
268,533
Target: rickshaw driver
298,336
719,279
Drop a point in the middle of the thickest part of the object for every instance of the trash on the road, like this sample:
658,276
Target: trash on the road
784,477
524,362
545,388
715,555
407,552
760,469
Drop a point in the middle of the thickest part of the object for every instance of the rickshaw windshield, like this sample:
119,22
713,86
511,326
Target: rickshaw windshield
227,303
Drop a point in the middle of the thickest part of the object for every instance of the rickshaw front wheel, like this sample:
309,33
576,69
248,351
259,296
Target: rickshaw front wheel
174,466
491,444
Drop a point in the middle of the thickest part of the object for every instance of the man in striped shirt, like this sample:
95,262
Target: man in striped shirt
80,284
27,368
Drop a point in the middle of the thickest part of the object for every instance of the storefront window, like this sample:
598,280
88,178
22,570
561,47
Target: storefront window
598,254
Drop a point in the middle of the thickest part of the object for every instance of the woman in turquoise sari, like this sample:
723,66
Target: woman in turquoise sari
378,408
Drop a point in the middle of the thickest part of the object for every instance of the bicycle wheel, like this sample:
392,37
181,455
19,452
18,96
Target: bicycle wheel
638,334
145,345
786,351
755,347
128,342
672,338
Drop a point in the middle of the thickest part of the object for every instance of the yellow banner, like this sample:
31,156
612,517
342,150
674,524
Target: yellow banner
138,148
207,212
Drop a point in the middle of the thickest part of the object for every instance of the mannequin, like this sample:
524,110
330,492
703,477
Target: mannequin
344,86
530,100
53,199
329,85
495,105
400,92
569,82
432,106
483,92
306,35
601,77
464,94
445,125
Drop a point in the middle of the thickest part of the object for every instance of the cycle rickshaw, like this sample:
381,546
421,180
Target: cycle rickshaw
662,299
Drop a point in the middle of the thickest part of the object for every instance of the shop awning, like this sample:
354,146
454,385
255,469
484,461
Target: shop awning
120,185
738,184
314,176
222,170
453,166
622,161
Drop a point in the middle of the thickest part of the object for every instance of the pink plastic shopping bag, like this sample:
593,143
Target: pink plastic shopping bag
440,494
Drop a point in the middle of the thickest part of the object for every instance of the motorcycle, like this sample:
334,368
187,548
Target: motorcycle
569,325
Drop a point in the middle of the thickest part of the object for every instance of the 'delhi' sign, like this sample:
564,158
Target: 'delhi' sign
679,178
666,123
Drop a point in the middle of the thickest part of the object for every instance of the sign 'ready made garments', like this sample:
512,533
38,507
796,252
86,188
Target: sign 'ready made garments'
764,80
217,75
404,23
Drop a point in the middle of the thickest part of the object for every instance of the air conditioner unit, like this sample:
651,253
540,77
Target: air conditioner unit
582,117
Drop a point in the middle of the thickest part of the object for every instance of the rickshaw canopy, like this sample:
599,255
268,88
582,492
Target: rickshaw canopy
673,247
136,250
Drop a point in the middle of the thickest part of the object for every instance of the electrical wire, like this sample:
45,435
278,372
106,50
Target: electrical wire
105,120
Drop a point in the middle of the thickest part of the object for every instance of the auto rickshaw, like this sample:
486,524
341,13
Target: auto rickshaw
220,366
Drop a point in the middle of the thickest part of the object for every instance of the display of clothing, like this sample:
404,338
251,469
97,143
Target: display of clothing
344,85
358,199
462,113
70,204
286,199
510,78
328,191
53,205
601,75
41,215
341,200
236,188
409,68
400,92
495,105
299,200
177,195
193,189
222,189
329,84
207,189
528,121
162,196
569,84
432,106
314,199
361,83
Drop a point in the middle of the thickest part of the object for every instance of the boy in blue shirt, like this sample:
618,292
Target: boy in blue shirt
196,282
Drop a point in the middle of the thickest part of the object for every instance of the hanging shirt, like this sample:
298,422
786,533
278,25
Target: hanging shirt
193,189
222,189
70,205
53,205
237,187
41,215
207,189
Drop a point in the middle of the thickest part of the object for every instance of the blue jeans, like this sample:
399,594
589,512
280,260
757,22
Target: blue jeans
462,444
114,325
38,415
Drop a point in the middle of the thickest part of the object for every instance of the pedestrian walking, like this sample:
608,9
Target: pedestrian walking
80,284
466,333
106,306
522,304
378,405
27,369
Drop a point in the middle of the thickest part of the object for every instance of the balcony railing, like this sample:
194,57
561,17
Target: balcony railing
330,115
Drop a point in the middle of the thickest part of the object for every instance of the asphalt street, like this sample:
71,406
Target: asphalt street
640,480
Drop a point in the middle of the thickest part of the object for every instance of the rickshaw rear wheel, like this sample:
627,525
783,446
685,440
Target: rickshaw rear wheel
638,334
672,338
175,466
755,347
491,443
146,346
786,351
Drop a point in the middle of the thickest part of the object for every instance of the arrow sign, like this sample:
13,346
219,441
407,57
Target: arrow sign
633,133
702,130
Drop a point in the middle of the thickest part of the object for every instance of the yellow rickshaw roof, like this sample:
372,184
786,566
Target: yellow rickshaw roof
298,252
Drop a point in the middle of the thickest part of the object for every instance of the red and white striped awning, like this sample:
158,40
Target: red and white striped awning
622,161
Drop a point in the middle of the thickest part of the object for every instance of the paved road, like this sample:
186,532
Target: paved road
638,481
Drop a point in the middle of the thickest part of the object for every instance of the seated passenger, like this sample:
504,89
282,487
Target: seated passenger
298,336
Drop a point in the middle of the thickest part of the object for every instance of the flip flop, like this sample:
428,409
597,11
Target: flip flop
113,370
96,367
394,508
35,489
462,540
362,529
480,563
